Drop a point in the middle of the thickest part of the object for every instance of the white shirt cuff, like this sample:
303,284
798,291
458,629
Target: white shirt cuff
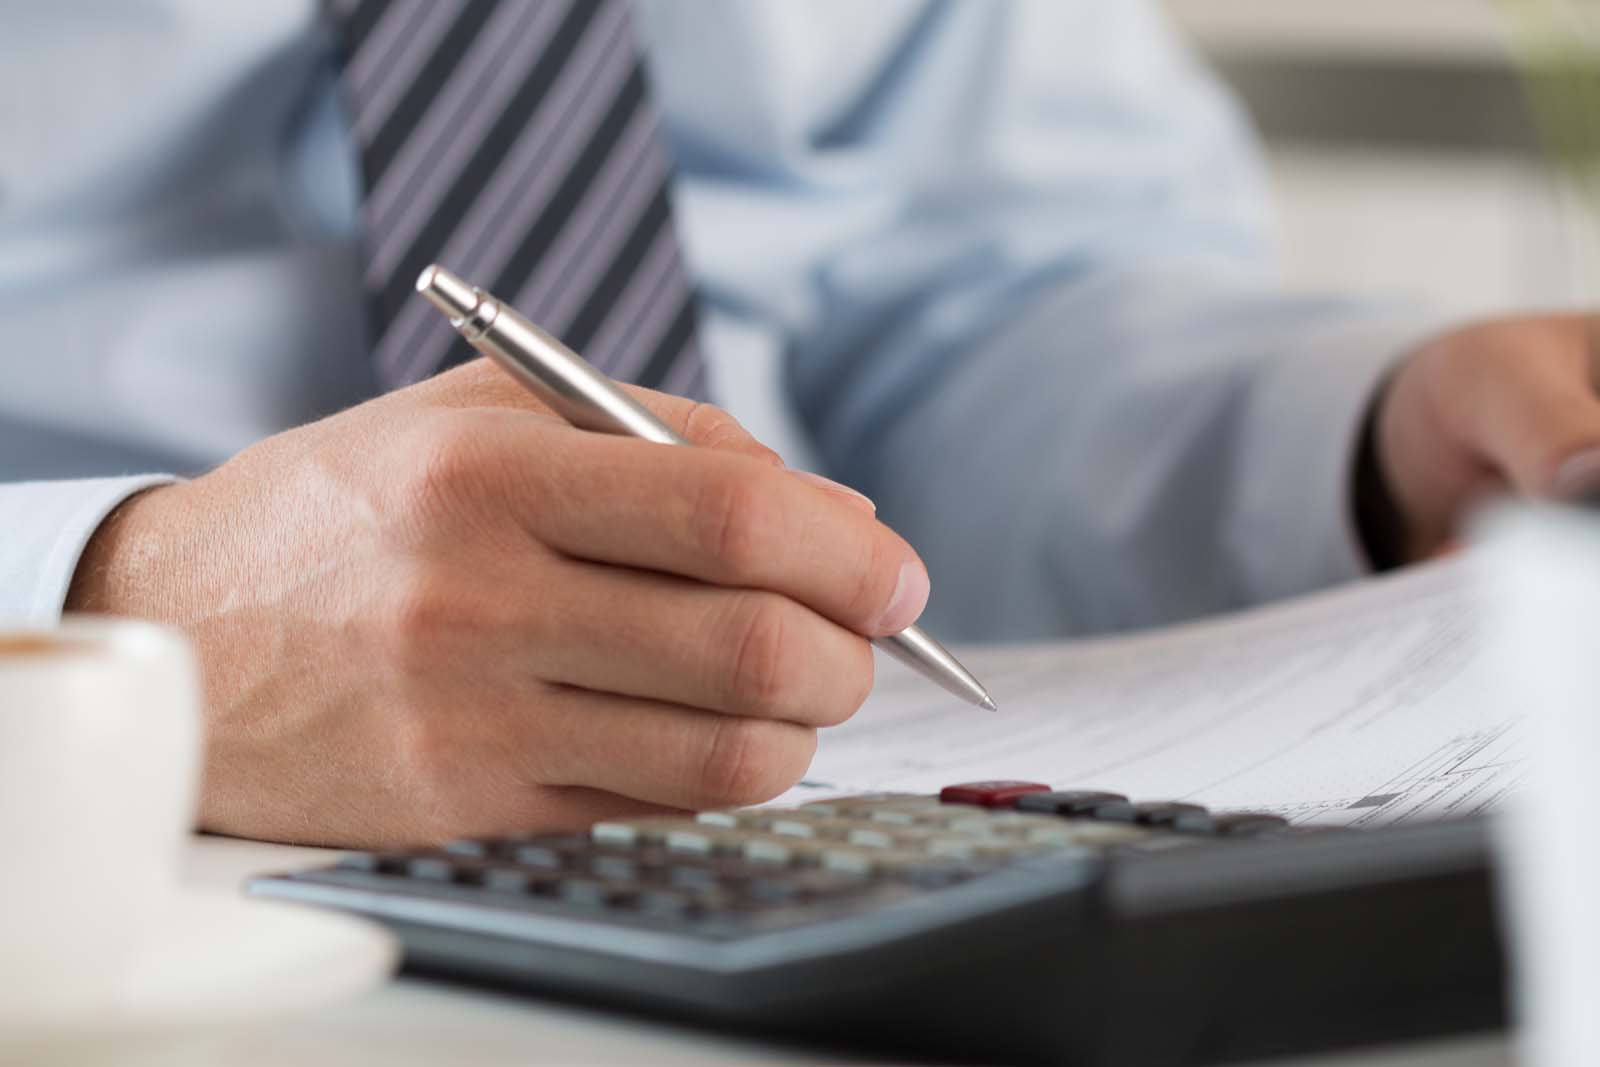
46,527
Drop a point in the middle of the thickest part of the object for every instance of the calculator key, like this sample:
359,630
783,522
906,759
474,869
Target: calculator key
896,816
1001,823
1248,824
431,869
809,824
741,818
870,862
702,840
614,868
773,891
1088,833
468,847
771,850
864,801
802,851
375,862
632,832
1089,803
666,903
693,877
967,847
885,836
518,880
545,856
693,873
593,893
998,794
1185,818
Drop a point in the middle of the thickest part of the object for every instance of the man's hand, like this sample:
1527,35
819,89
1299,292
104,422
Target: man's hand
447,612
1502,406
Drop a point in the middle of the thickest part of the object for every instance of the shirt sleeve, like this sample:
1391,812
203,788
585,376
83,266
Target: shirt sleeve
1019,258
47,525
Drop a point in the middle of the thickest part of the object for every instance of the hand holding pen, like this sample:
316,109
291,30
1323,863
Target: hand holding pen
589,400
447,612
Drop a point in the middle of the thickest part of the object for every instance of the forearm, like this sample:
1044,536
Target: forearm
1138,447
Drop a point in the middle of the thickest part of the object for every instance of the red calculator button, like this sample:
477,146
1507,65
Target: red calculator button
990,794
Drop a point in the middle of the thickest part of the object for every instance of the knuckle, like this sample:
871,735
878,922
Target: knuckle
732,517
710,426
753,760
763,673
444,462
416,613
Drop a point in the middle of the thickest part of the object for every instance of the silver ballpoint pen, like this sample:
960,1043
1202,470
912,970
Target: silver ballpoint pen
589,400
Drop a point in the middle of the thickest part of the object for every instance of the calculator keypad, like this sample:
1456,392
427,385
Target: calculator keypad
760,866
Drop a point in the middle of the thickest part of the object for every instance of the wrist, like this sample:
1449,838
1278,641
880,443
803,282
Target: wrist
116,571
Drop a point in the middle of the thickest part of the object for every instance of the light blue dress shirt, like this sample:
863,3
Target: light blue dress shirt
1011,254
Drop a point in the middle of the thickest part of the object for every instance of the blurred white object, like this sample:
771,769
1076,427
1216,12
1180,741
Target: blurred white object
100,949
1544,569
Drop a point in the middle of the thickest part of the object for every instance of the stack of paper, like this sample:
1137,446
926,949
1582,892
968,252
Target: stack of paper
1361,706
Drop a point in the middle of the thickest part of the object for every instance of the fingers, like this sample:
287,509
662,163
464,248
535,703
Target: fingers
657,636
662,753
1532,408
481,383
725,519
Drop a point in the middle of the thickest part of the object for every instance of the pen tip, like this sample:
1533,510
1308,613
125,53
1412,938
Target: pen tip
988,704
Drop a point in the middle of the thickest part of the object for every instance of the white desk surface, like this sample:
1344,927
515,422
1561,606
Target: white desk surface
412,1024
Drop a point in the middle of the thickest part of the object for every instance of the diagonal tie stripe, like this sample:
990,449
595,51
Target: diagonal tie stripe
517,142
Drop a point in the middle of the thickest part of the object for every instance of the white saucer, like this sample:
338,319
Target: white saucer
212,960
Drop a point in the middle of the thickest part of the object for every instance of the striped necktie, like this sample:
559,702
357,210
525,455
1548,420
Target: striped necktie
515,142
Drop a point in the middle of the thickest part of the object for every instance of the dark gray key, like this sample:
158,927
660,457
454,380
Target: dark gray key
1185,818
550,853
666,903
615,868
1083,803
432,868
518,880
1248,824
593,893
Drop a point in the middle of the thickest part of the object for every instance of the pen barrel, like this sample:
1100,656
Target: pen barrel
572,387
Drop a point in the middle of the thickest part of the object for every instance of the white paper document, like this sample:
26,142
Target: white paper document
1361,706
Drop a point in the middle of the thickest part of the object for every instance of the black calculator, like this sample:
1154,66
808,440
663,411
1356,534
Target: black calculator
995,922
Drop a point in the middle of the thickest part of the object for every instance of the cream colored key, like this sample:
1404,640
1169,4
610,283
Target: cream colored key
972,847
868,861
875,837
772,849
737,817
838,805
1086,832
1001,823
803,824
629,833
776,848
702,840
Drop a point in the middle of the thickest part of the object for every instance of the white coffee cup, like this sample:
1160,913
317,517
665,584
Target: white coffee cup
99,764
1544,571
